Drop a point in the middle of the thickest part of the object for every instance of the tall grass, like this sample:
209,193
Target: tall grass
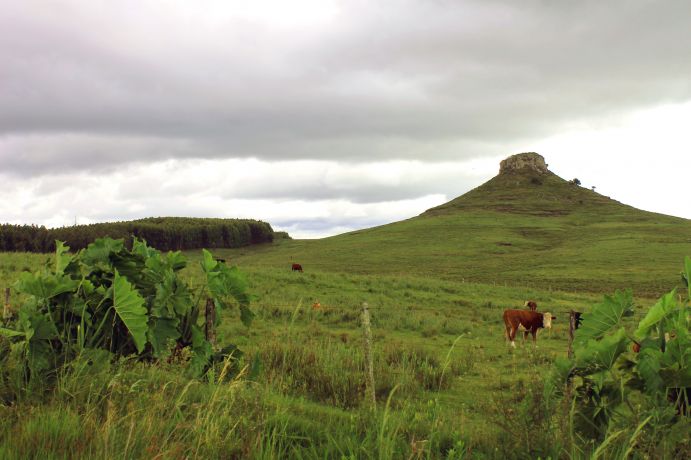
438,343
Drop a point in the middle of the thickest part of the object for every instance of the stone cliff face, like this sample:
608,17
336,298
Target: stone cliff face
522,161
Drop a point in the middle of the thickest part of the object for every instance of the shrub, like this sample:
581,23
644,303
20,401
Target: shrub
117,301
629,384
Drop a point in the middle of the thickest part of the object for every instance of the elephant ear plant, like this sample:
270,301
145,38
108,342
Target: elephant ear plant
630,383
124,301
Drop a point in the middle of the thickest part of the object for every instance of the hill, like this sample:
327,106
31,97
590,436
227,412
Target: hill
524,227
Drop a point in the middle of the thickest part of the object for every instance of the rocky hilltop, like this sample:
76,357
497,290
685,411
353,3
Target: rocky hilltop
525,185
523,161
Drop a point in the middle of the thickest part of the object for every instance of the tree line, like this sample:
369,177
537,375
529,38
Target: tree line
162,233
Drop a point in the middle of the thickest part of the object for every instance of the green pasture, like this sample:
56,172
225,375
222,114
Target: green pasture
446,382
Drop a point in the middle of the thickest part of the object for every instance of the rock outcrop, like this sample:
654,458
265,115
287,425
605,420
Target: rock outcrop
522,161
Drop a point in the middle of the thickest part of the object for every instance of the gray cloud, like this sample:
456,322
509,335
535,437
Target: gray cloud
88,86
342,115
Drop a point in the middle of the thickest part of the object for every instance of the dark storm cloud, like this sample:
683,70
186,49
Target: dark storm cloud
89,85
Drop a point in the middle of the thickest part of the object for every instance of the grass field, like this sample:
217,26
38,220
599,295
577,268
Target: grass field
447,385
442,367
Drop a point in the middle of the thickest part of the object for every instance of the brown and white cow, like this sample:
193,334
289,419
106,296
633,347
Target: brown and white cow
531,305
530,320
296,268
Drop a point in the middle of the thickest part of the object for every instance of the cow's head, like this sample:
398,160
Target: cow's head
547,319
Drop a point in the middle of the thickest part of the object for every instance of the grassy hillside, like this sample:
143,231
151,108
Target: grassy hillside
518,229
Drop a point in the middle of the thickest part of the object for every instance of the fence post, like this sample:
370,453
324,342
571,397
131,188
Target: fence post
572,326
6,313
369,362
210,327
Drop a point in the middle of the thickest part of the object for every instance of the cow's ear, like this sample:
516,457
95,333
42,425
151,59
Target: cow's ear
553,318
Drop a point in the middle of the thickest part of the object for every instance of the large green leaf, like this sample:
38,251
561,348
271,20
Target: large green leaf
131,266
140,248
129,306
605,315
236,284
39,331
43,328
172,297
162,333
223,281
158,266
99,252
40,356
214,279
62,258
677,354
176,260
201,353
648,367
601,354
657,313
208,262
44,286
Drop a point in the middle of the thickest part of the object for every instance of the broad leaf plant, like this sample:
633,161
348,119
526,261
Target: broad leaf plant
124,301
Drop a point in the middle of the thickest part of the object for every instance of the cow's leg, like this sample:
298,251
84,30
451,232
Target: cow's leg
512,335
507,330
534,332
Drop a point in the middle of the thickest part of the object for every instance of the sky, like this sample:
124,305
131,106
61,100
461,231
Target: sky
325,116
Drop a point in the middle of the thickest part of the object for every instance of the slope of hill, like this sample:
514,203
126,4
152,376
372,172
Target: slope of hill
526,226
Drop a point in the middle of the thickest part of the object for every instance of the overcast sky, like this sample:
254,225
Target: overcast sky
324,116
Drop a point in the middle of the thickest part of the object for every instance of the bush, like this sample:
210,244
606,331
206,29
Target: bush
625,379
114,301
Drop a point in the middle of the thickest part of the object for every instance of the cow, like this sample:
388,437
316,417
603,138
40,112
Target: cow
297,268
531,305
530,320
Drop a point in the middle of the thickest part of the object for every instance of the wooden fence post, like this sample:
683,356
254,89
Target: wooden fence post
369,361
572,327
210,327
6,313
